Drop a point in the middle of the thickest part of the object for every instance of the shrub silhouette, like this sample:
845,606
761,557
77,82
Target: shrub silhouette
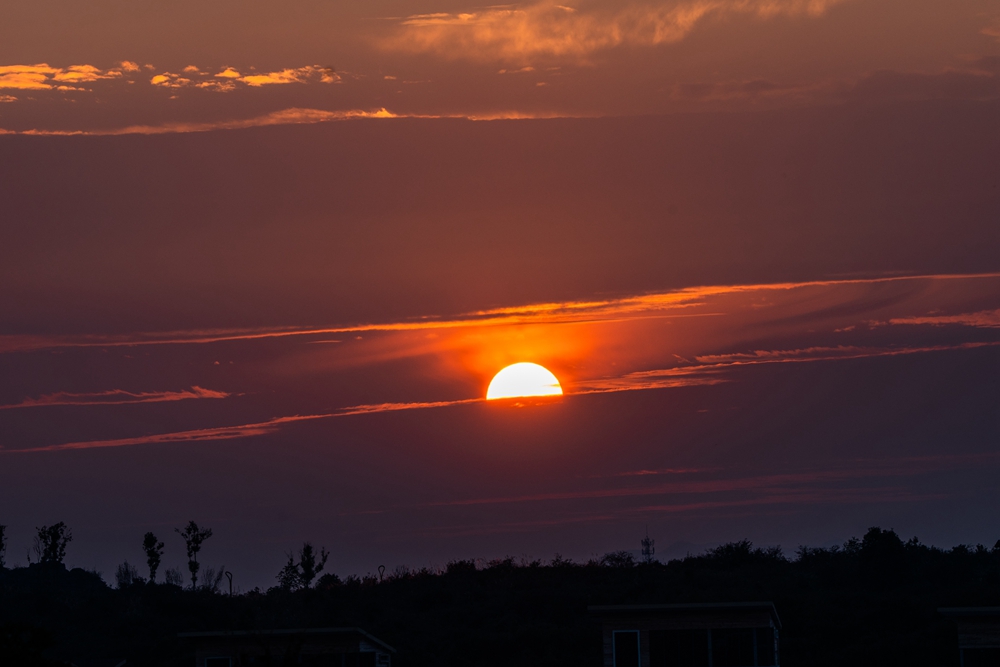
126,575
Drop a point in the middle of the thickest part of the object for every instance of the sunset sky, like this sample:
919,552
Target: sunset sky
259,262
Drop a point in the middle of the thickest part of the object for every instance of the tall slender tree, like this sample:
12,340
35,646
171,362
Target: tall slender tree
154,553
50,543
3,546
309,564
193,538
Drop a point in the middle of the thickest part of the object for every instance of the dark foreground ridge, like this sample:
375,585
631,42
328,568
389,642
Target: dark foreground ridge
873,601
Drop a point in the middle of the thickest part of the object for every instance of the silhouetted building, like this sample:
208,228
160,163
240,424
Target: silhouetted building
319,647
735,634
978,634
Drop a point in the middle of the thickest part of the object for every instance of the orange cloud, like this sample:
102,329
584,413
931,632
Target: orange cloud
985,319
26,77
44,77
512,33
115,397
299,75
194,77
284,117
646,306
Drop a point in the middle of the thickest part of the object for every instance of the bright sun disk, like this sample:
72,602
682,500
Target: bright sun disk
523,379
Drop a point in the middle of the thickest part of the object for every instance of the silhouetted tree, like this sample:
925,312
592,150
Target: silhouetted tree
309,564
289,577
154,552
50,543
882,556
300,575
3,545
193,538
617,559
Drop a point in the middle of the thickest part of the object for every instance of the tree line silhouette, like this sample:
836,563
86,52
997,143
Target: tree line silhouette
870,601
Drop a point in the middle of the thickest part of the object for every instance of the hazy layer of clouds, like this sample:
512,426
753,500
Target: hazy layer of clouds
520,33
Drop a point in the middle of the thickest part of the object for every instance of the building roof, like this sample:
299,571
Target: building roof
707,607
970,611
292,631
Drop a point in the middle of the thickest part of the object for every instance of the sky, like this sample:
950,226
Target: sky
259,263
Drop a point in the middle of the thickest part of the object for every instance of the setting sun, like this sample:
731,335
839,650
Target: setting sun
523,379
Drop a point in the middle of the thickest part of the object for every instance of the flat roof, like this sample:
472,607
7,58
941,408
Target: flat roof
970,611
291,631
695,606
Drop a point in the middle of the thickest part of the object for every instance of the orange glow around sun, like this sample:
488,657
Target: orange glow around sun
523,379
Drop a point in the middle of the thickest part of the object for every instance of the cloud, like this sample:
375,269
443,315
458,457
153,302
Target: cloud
804,481
718,361
704,373
115,397
229,77
979,82
992,30
395,407
708,368
44,77
653,305
292,116
195,435
546,29
984,319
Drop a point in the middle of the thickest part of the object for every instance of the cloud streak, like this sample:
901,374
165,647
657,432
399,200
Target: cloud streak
520,34
293,116
685,376
194,435
115,397
984,319
673,303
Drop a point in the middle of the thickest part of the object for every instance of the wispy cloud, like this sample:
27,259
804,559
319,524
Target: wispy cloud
229,432
547,29
292,116
395,407
762,483
685,376
674,303
985,319
115,397
194,435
